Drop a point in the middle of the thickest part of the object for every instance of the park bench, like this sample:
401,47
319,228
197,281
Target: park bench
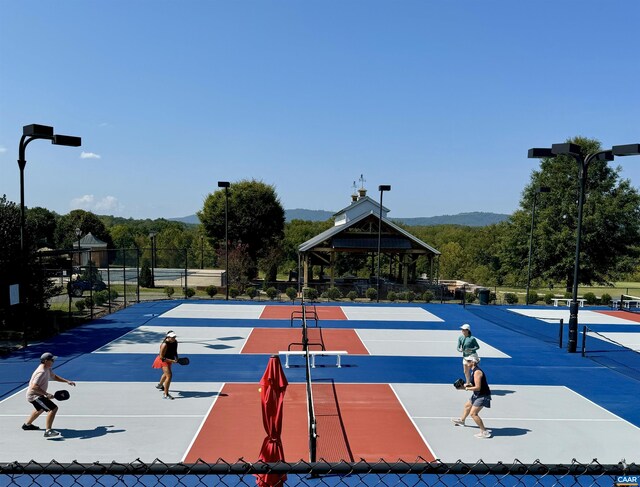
567,301
313,354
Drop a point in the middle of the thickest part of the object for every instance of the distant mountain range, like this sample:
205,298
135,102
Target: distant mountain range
473,219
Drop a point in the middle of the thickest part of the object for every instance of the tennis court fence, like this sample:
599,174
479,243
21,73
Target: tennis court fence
307,474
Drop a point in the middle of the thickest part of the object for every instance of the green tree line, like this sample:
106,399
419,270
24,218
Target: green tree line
260,241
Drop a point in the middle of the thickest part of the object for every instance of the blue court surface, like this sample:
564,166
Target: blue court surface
548,405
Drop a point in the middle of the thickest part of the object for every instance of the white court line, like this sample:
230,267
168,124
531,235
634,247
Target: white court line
362,341
412,419
246,340
204,419
600,407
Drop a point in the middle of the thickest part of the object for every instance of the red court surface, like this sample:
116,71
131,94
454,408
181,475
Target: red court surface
356,421
272,340
284,313
627,315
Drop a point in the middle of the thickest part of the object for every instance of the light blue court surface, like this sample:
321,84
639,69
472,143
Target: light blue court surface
548,404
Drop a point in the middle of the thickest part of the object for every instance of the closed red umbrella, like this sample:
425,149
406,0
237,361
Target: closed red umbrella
273,386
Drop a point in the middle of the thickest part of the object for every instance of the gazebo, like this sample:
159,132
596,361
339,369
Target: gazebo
356,230
93,249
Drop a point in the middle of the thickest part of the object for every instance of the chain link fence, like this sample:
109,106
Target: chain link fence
306,474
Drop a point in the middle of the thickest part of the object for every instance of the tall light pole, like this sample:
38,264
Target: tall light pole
541,189
152,236
201,251
382,188
575,151
29,133
225,185
78,235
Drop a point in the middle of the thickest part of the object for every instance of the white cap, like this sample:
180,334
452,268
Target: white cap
465,327
47,356
171,334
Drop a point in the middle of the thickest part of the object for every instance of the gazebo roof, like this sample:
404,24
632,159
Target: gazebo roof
340,238
91,241
364,201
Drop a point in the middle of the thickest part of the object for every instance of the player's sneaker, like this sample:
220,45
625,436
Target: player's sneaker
51,433
457,422
160,387
30,427
168,396
483,434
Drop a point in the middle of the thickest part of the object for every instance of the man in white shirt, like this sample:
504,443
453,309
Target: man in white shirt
38,396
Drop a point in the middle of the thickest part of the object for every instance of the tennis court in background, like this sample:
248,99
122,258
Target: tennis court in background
392,398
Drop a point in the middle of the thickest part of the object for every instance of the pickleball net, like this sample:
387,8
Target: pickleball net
312,420
607,349
628,303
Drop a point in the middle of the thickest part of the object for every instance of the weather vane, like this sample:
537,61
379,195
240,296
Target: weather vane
362,181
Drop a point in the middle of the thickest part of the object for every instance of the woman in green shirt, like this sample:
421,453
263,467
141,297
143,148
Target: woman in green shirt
468,345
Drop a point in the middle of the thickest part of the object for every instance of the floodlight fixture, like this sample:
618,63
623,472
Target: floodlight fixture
567,148
68,140
626,150
539,153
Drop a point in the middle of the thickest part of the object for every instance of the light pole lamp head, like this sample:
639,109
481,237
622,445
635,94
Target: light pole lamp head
384,187
38,131
152,234
567,148
544,189
67,140
223,184
605,155
626,150
78,233
539,153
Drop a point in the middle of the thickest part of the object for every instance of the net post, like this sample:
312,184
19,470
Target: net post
584,339
560,333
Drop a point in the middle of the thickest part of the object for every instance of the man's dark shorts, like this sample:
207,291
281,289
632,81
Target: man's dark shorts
480,401
44,404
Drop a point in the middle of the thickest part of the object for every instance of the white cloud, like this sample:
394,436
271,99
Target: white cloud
88,202
89,155
3,149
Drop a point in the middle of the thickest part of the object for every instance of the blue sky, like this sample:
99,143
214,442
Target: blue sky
439,99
